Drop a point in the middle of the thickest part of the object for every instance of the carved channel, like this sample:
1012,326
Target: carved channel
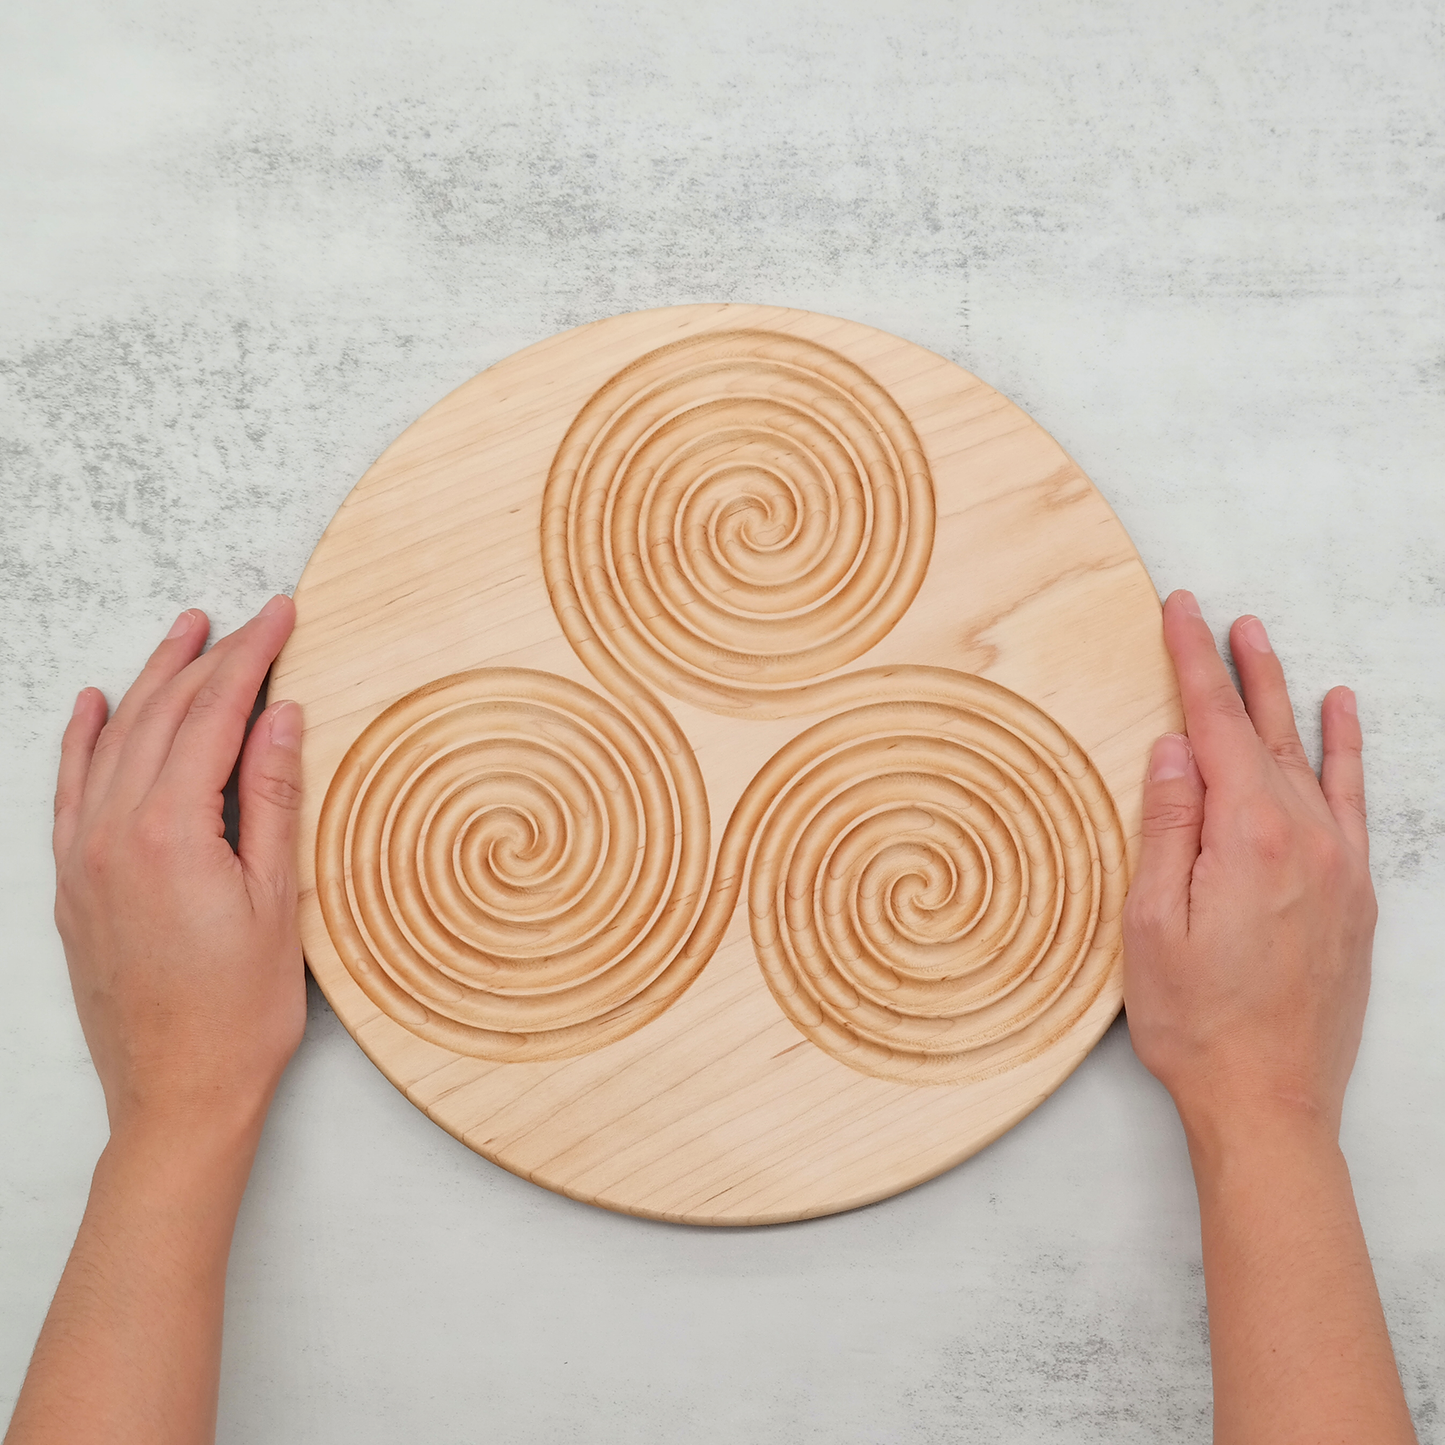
510,866
732,516
519,868
936,881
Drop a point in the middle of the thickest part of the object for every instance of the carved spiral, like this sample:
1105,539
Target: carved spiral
518,868
936,882
734,515
511,867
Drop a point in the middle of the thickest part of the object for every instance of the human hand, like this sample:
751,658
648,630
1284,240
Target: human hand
1248,925
184,956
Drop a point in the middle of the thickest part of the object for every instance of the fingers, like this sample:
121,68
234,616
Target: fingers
177,650
207,738
153,734
1225,745
1267,700
77,746
1173,821
1343,774
270,795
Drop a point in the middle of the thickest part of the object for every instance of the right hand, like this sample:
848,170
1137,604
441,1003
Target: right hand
1248,925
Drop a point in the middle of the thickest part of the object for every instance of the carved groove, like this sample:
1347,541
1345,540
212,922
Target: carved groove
936,882
732,516
509,866
518,868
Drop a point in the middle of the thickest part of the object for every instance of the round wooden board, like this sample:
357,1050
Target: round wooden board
725,729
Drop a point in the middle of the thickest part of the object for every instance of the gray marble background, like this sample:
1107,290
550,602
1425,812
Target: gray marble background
241,246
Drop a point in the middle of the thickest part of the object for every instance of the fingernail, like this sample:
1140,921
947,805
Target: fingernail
275,604
1170,758
181,625
1251,629
286,725
1347,701
1189,603
78,697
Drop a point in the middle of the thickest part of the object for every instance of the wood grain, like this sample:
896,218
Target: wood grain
724,737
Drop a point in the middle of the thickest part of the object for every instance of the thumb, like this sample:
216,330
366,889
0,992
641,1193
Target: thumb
270,797
1173,821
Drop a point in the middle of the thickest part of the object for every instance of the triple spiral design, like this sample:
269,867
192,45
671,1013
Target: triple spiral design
518,867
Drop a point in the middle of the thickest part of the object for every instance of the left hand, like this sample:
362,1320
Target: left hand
184,956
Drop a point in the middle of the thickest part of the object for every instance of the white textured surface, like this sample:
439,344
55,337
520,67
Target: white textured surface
242,246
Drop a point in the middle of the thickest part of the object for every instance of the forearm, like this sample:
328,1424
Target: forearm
130,1350
1297,1336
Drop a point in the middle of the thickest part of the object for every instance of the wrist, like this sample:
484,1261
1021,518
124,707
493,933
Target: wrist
1232,1136
187,1151
189,1112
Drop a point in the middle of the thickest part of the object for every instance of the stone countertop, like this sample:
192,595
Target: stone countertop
241,247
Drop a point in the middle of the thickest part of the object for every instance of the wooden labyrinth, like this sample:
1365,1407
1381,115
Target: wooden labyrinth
724,737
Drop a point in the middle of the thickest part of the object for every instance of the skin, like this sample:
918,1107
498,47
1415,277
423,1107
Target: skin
1247,954
186,967
1247,936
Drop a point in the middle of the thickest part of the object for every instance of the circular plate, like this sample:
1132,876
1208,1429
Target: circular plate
725,728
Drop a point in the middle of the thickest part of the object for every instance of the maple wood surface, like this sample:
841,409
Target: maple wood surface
725,731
